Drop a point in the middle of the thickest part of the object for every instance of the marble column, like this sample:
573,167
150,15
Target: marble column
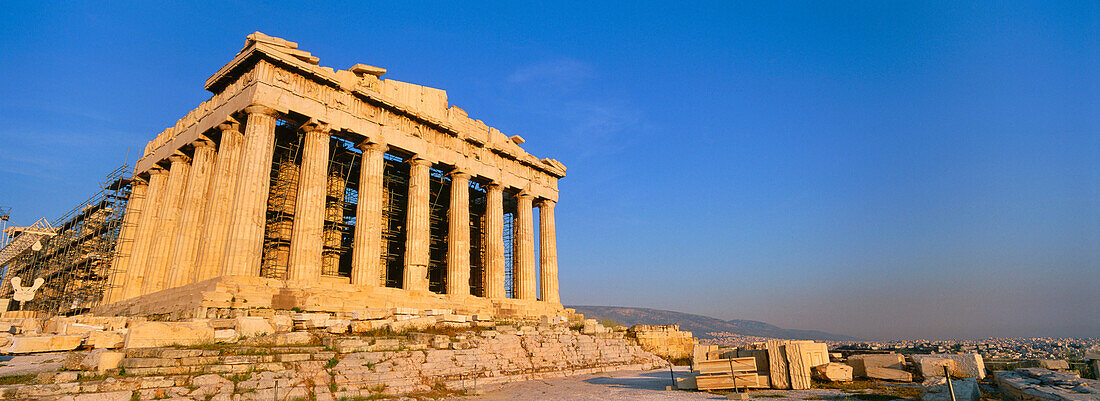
181,264
458,235
418,227
219,203
307,235
494,242
245,240
135,204
164,238
523,274
143,238
366,258
548,253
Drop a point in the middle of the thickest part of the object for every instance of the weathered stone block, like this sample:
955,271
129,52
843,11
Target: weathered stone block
227,336
936,389
337,326
160,334
889,374
106,339
833,372
253,327
860,363
29,344
371,314
964,365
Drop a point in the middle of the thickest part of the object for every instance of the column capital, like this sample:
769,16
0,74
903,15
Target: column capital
135,180
419,161
456,173
261,109
202,143
371,144
179,158
157,170
524,195
545,203
315,125
230,124
493,185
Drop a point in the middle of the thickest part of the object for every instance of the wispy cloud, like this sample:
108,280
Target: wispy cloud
558,71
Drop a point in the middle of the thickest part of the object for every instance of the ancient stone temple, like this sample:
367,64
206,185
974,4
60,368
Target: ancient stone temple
300,186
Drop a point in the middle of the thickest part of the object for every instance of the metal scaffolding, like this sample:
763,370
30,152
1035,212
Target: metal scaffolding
282,198
395,200
75,255
342,197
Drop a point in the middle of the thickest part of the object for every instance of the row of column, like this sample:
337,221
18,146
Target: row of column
205,216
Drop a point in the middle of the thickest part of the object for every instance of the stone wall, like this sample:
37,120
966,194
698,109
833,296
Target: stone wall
312,356
666,341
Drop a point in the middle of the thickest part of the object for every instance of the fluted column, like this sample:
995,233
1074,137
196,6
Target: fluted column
135,206
219,203
366,258
245,239
458,235
181,264
494,242
524,267
548,253
418,228
164,241
307,236
144,237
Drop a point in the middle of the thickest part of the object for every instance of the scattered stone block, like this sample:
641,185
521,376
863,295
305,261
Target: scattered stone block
80,329
965,365
292,338
106,339
897,375
364,326
253,327
101,360
227,336
936,389
160,334
436,312
405,311
860,363
337,326
777,364
282,323
451,318
833,372
370,314
31,344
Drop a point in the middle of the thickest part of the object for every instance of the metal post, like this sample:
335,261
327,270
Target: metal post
671,375
950,388
732,374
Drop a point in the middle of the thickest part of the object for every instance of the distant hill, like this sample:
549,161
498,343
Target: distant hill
701,325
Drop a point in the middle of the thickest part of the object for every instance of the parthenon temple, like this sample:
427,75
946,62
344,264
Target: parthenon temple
297,186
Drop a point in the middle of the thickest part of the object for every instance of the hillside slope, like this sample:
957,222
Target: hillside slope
701,325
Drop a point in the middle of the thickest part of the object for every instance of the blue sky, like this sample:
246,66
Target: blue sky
878,169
